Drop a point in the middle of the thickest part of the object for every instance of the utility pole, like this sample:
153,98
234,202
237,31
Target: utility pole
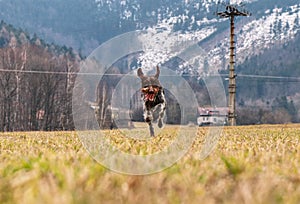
230,12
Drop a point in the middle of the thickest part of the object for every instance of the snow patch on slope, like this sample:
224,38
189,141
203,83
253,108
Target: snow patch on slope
161,44
276,27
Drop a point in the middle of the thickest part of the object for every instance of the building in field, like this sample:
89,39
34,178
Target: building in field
212,116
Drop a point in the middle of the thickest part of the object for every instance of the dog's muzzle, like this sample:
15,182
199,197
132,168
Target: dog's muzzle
150,92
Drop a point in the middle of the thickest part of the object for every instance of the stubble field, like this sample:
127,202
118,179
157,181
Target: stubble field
250,164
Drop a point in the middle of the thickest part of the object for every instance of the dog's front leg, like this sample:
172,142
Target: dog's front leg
148,117
151,129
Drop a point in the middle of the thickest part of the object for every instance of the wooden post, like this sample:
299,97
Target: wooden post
230,12
232,82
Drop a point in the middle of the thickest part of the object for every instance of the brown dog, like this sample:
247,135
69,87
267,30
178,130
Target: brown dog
153,97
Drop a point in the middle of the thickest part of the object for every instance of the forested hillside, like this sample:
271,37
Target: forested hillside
36,81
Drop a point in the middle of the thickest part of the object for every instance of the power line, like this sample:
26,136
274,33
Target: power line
268,77
35,71
183,75
79,73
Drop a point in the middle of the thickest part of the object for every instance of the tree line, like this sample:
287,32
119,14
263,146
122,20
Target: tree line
36,82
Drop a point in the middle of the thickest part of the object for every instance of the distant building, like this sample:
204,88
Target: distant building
212,116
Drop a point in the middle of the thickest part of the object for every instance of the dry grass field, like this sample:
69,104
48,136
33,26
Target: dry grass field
251,164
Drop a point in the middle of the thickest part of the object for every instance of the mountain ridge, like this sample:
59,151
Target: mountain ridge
87,24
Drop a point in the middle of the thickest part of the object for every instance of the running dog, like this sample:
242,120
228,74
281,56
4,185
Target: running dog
153,97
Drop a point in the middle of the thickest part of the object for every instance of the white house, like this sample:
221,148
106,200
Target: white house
212,116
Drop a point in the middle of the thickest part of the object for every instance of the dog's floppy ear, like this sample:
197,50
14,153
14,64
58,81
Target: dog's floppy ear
140,73
157,72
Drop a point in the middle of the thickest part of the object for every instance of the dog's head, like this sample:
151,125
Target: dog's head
150,84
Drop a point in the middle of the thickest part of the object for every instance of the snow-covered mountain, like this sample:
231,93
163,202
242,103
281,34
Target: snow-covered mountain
253,36
89,23
263,30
